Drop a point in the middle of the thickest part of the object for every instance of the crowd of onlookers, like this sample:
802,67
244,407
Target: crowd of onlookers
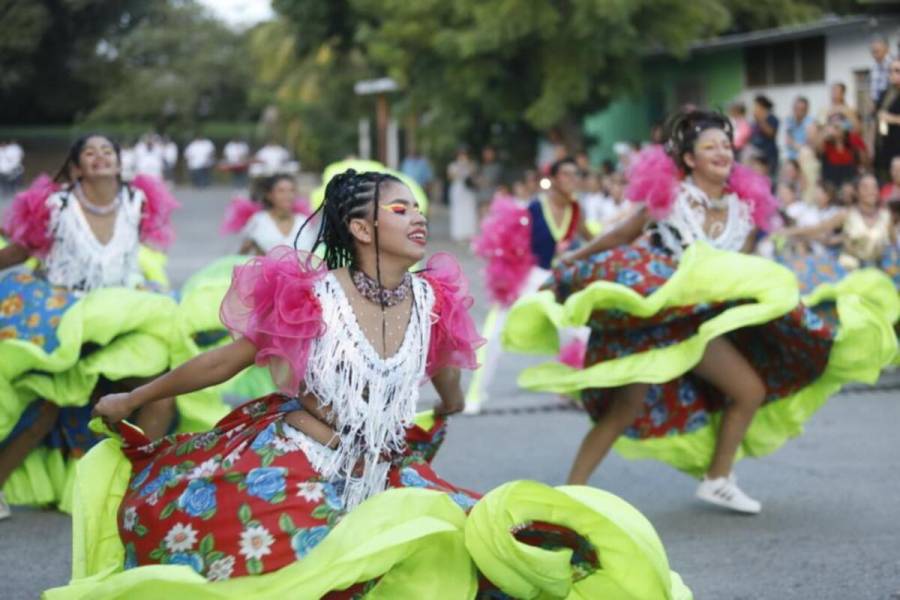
157,155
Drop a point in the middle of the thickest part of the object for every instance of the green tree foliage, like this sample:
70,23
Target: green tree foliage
177,65
503,70
49,59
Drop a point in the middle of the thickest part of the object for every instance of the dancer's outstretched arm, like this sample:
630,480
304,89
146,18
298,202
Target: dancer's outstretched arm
446,382
205,370
13,255
625,233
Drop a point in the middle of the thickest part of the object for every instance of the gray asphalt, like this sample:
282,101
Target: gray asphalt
830,526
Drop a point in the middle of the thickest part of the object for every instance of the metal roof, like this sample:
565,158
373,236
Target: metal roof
826,25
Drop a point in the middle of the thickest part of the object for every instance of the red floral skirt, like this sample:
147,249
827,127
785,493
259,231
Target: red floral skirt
788,353
244,498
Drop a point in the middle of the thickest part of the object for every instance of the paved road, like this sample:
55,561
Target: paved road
830,527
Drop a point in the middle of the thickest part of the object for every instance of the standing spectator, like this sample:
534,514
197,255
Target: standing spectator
11,169
463,209
200,156
170,158
149,156
489,176
887,144
795,127
879,79
128,159
737,113
272,159
236,155
839,109
765,132
418,168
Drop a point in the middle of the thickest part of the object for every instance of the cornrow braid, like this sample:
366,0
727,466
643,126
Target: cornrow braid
348,196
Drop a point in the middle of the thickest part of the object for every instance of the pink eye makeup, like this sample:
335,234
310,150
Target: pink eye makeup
398,208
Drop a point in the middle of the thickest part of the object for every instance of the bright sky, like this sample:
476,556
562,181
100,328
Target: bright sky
240,13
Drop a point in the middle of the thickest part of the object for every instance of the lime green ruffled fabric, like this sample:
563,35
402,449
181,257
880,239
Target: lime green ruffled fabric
866,302
418,543
137,334
632,561
201,298
153,265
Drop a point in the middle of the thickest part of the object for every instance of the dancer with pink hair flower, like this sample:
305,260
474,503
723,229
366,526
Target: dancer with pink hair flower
699,353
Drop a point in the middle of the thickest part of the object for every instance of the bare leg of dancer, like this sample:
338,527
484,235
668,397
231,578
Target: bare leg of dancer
626,406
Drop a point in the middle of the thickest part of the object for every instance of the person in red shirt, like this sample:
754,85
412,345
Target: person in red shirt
842,152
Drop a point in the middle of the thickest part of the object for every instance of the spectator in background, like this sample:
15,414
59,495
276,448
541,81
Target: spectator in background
463,201
790,175
271,159
149,156
879,77
890,192
841,151
795,127
737,113
200,156
236,160
839,109
532,183
170,158
887,144
11,169
488,178
657,134
765,133
128,159
418,168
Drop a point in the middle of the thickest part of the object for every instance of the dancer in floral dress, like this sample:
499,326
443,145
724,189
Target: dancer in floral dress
70,329
698,354
325,489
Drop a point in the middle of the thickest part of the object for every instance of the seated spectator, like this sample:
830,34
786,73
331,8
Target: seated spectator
890,191
842,152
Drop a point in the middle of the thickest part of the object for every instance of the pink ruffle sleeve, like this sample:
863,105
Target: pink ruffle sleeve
505,243
755,190
272,303
237,214
156,216
454,338
27,220
653,179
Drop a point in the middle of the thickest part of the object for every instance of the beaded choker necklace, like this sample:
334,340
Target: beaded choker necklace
371,291
95,209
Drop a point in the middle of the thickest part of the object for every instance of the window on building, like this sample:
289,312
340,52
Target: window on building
784,63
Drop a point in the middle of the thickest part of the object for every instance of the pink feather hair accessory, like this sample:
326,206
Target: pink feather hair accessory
27,220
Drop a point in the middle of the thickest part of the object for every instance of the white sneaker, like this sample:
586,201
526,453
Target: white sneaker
4,508
723,491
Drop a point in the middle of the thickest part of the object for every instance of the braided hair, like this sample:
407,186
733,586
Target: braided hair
348,196
684,127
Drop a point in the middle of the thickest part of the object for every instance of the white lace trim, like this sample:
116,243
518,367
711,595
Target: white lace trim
344,369
77,260
686,223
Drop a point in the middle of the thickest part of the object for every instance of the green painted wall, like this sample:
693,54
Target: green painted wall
720,76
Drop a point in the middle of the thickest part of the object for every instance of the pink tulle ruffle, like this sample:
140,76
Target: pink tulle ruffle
756,190
272,303
454,338
156,216
27,220
505,243
238,212
653,178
